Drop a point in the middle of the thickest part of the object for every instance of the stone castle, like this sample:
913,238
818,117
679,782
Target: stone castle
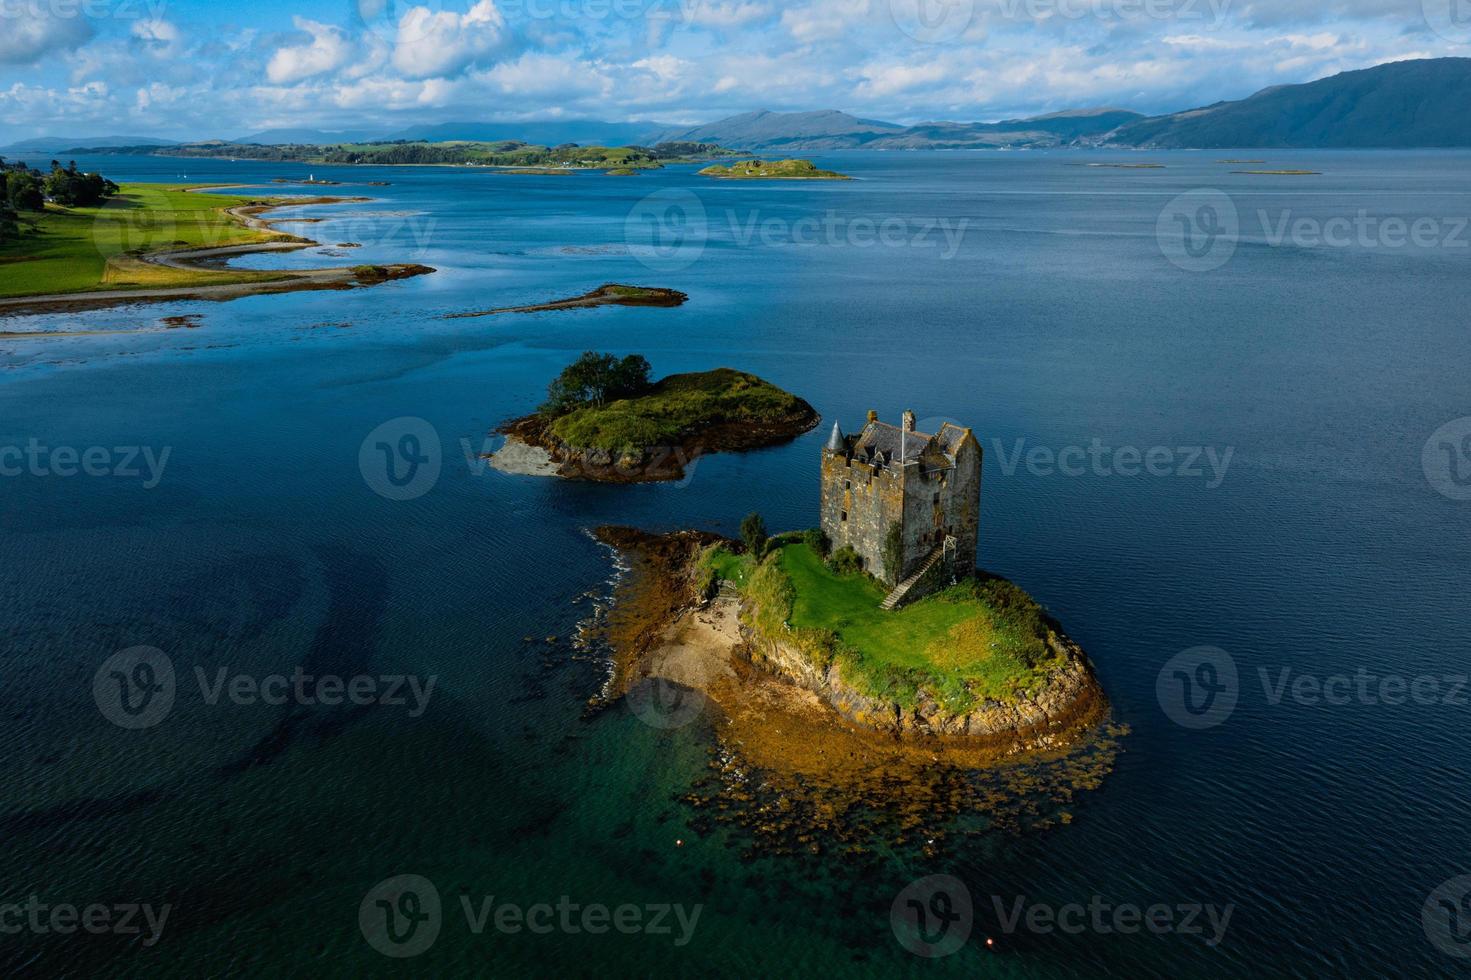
929,485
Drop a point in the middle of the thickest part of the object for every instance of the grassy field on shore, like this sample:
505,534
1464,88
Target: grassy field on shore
980,639
68,250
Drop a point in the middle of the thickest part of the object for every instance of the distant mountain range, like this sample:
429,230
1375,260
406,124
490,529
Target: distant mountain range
831,130
1421,103
587,132
44,145
1404,104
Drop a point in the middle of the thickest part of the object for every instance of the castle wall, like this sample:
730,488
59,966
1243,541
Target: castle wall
964,504
924,515
871,498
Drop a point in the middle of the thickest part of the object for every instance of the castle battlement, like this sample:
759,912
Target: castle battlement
927,484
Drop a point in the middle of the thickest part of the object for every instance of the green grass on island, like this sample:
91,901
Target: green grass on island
771,170
981,639
65,250
675,407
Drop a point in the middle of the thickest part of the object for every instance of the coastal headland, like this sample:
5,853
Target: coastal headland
166,242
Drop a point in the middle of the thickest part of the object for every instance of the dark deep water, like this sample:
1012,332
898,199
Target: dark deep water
1056,319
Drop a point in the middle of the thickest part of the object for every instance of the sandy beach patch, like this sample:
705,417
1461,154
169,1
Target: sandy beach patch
523,459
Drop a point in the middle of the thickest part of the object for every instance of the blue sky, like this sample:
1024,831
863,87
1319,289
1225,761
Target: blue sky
193,69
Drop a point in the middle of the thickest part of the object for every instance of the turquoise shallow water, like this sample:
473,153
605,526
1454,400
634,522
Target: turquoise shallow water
1055,319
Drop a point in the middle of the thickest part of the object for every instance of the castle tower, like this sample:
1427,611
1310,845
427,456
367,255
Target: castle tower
929,485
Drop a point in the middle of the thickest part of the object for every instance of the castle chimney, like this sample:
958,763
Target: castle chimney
908,421
872,415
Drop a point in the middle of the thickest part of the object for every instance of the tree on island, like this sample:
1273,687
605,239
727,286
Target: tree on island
596,379
753,533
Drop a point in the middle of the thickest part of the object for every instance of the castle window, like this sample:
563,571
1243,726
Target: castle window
937,500
847,484
844,516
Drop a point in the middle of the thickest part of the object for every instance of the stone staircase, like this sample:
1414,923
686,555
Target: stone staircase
901,591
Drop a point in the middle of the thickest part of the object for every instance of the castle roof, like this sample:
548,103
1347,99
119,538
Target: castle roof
887,441
835,442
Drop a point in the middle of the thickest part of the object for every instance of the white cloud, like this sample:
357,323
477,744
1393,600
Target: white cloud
430,43
546,77
30,31
328,50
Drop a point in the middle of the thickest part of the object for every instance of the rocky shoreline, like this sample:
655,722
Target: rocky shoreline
672,611
608,294
790,773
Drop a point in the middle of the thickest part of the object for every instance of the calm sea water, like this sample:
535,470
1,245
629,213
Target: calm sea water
1052,319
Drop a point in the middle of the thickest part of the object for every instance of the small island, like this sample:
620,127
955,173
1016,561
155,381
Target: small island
605,420
1280,173
878,621
608,294
771,170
